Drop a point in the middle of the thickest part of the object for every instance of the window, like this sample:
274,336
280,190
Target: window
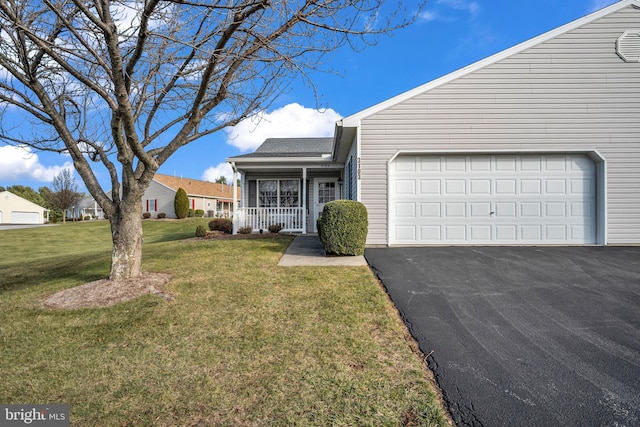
326,192
152,205
274,193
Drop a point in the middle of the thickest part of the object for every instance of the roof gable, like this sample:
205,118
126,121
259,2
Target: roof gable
354,119
7,196
195,187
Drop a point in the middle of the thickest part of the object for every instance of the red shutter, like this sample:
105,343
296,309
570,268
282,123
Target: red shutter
147,210
193,204
155,205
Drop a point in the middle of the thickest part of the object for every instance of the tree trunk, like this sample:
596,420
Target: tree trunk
126,232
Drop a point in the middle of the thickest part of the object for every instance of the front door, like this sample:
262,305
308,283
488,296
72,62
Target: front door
326,190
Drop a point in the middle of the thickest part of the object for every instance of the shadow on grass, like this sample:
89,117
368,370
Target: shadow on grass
76,268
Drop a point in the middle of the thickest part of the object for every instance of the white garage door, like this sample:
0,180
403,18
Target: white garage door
25,217
493,199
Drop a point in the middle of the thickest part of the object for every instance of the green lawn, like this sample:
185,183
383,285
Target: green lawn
244,342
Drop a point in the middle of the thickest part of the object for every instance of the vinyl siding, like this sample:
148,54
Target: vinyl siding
572,92
165,197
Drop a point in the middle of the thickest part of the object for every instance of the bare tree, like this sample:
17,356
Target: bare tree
65,193
121,85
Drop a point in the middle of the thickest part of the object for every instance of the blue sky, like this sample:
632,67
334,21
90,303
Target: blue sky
449,35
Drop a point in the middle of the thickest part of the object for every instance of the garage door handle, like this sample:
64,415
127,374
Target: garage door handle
491,213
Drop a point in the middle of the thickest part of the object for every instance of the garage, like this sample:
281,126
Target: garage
18,217
526,199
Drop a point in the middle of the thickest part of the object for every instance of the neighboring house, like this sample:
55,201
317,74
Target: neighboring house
215,199
538,144
16,210
87,207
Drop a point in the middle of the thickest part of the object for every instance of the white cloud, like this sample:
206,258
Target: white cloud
214,172
290,121
23,163
470,6
599,4
428,16
446,6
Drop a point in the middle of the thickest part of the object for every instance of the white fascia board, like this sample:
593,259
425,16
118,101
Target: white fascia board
313,160
327,166
354,120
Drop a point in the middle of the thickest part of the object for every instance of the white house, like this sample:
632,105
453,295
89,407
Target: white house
538,144
16,210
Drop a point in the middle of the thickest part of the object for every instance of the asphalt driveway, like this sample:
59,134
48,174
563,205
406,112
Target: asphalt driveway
546,336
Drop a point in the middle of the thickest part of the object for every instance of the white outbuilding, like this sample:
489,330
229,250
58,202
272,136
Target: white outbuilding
16,210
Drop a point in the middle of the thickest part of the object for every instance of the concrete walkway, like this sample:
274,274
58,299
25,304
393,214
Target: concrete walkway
306,250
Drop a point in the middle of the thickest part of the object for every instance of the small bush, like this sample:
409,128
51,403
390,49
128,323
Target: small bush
199,213
146,215
201,231
342,227
162,215
87,217
221,224
275,228
245,230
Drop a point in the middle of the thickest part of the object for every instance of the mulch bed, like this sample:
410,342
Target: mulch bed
105,292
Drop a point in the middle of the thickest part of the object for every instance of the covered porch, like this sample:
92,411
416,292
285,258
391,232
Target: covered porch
291,196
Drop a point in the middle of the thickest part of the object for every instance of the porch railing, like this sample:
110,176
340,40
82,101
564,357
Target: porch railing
261,218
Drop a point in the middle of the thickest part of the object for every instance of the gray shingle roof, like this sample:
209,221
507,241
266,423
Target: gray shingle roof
293,147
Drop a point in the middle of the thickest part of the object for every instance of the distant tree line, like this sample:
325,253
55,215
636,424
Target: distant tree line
61,197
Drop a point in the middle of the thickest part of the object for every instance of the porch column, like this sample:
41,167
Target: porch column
304,200
234,215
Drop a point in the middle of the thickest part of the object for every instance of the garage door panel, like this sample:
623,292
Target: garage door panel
430,186
479,186
430,210
406,210
507,233
431,233
493,199
455,187
455,164
556,232
480,233
555,186
556,209
455,233
505,163
405,186
505,186
430,164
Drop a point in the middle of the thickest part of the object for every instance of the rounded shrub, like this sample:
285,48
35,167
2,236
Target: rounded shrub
162,215
245,230
201,231
181,203
146,215
342,227
221,224
199,213
275,228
